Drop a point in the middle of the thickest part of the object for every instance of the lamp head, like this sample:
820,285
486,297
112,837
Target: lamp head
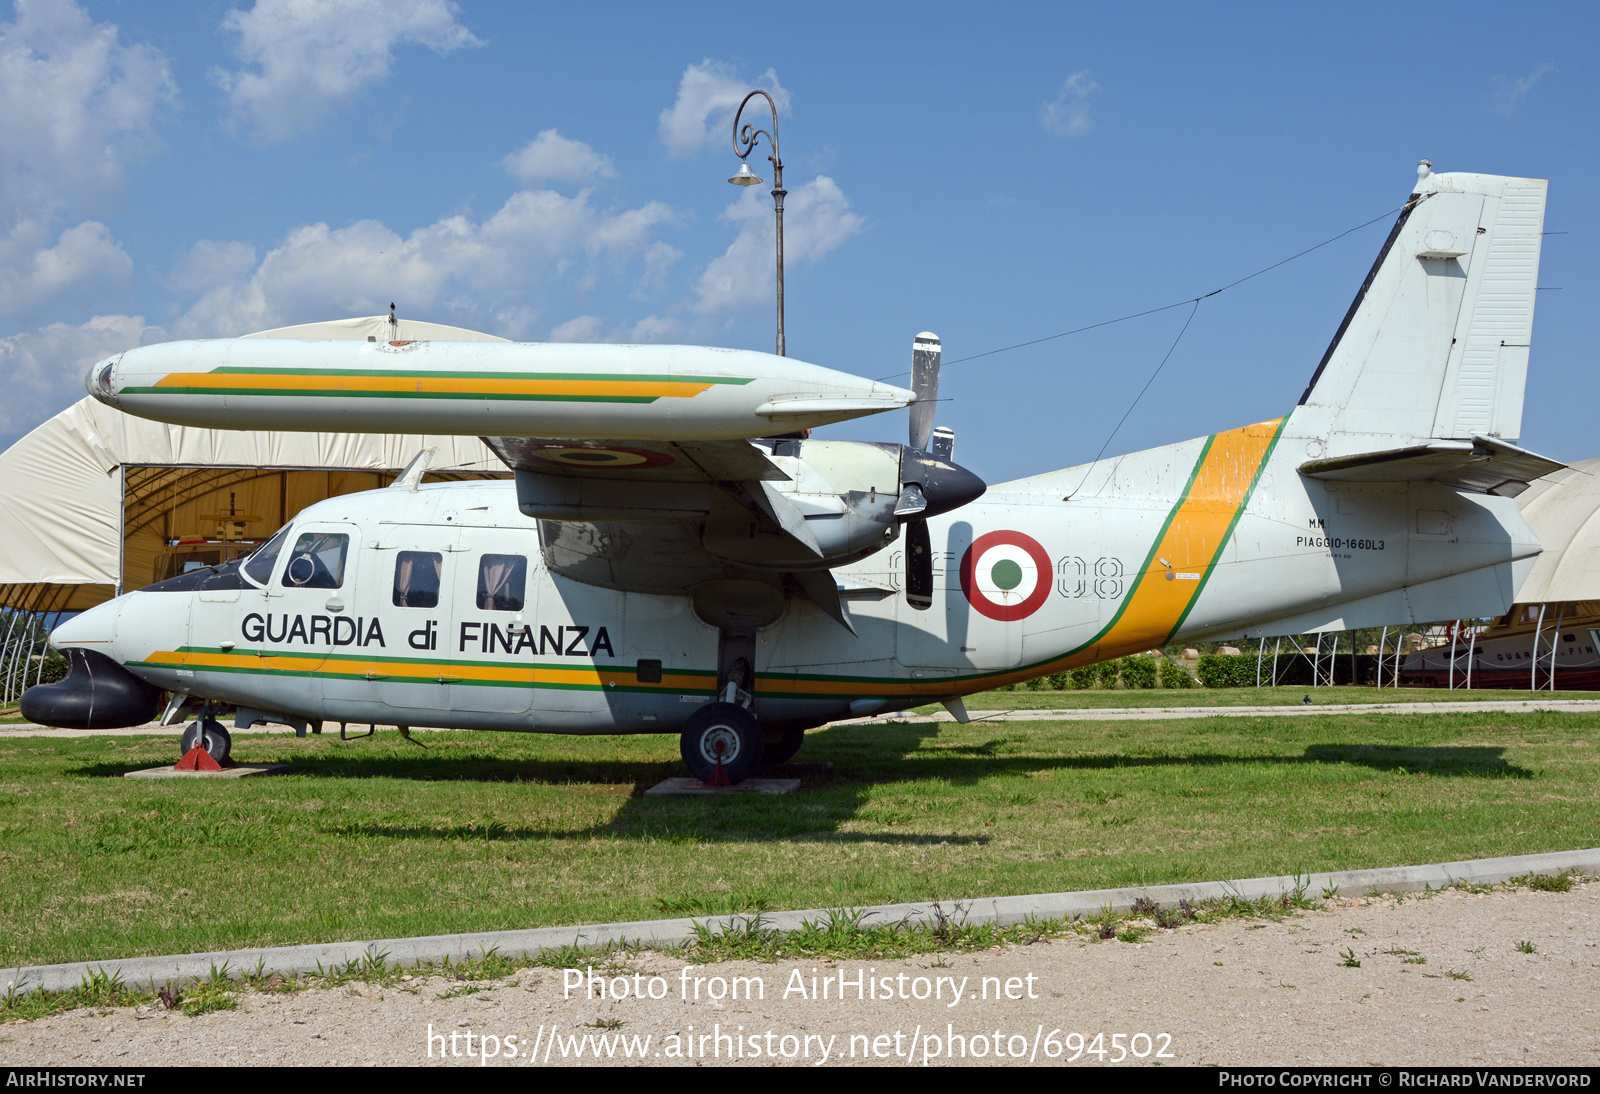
745,177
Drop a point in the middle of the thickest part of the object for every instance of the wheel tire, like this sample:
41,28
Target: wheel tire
782,745
210,735
737,730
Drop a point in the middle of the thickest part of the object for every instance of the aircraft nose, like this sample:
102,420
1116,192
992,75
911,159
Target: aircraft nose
93,629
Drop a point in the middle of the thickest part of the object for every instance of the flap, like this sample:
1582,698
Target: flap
1482,465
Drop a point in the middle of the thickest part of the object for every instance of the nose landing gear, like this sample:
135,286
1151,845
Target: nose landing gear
206,745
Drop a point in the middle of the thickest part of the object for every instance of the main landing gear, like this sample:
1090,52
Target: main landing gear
724,743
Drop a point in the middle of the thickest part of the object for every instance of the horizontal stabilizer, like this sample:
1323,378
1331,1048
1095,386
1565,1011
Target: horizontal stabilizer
1480,466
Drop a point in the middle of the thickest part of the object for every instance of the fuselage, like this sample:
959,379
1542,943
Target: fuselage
436,606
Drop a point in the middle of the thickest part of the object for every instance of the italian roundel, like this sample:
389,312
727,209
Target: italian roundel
1005,575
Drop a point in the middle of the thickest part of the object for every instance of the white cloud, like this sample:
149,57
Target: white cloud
210,262
708,95
590,328
1067,115
75,105
1510,93
82,267
304,57
456,268
817,220
585,328
550,157
42,370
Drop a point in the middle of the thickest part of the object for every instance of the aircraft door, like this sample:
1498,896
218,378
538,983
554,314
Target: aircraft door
493,641
311,602
400,616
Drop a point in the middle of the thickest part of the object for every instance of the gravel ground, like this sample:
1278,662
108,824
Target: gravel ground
1441,981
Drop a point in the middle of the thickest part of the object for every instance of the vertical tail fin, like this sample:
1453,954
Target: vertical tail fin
1436,343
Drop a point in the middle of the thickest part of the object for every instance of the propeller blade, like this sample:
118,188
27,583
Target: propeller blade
925,351
919,565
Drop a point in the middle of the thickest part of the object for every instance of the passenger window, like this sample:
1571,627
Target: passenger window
416,579
317,561
501,582
264,557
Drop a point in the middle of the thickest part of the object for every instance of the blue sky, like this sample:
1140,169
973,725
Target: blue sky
993,173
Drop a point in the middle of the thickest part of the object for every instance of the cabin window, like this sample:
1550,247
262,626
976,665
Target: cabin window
502,579
416,579
259,566
317,561
648,672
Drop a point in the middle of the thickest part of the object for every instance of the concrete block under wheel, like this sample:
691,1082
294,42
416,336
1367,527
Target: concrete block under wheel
239,772
688,786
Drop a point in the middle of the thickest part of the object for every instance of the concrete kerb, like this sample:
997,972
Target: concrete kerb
1002,911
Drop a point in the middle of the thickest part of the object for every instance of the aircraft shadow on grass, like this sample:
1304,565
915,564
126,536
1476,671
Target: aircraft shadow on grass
864,758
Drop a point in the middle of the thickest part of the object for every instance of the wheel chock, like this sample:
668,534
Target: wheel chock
198,759
719,777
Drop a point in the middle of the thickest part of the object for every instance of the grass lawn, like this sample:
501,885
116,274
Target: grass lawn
1091,699
380,838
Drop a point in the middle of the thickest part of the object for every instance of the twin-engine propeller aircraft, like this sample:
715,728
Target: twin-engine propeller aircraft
676,556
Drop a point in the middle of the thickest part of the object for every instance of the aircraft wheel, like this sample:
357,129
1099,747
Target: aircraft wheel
734,729
782,745
209,734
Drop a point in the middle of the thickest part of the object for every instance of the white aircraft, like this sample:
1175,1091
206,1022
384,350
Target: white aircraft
663,563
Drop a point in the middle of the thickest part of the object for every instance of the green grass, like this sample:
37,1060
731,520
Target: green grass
1236,697
378,838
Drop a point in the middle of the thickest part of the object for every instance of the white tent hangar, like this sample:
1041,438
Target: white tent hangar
94,502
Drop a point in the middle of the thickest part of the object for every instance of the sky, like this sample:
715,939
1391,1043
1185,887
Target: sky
995,174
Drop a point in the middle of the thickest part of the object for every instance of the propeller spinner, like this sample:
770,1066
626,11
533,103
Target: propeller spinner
930,483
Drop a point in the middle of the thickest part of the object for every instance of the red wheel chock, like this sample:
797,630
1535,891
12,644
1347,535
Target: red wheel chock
198,759
719,777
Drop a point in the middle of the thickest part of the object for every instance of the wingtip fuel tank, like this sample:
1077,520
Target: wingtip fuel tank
664,393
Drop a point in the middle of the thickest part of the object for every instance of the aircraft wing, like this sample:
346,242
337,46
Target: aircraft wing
641,480
647,515
1483,465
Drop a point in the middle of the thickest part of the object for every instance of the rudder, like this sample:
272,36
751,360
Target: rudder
1435,345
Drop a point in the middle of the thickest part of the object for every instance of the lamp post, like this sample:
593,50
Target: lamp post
744,142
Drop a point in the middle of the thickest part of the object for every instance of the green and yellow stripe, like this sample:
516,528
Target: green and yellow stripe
572,387
1192,539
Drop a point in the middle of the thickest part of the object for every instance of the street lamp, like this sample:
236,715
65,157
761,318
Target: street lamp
744,142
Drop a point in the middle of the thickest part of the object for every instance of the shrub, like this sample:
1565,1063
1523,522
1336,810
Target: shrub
1035,684
1227,671
1059,681
1173,676
1083,677
1139,672
1106,673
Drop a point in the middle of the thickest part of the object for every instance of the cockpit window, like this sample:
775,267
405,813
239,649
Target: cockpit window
259,565
317,561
